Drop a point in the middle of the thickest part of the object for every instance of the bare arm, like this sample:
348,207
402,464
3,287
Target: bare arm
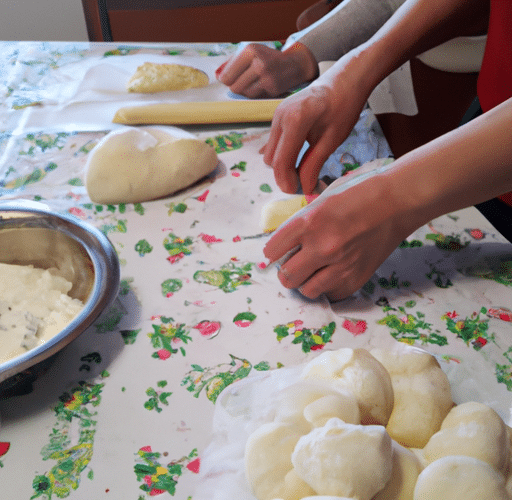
259,71
350,234
325,112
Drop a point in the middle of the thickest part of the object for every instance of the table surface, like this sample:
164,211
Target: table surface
125,411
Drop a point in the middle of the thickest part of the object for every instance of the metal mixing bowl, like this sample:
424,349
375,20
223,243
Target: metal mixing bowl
31,233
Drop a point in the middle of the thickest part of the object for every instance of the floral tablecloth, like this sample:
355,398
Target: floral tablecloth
125,411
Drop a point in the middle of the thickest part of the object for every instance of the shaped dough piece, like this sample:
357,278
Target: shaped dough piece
136,164
268,459
460,478
307,405
153,77
274,213
404,474
422,394
473,430
356,371
344,460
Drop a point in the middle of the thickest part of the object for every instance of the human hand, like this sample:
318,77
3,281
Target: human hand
323,114
342,238
261,71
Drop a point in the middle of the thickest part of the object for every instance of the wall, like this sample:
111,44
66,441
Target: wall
42,20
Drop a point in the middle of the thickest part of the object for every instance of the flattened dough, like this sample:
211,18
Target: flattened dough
152,77
137,164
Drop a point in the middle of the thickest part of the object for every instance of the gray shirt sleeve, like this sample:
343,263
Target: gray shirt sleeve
347,26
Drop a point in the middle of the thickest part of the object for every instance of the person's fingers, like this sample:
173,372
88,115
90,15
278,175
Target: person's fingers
282,150
298,269
218,71
310,165
245,82
234,68
334,283
284,239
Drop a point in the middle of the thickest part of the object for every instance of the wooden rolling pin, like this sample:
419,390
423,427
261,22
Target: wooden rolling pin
189,113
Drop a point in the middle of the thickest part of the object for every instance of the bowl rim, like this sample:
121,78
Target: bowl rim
105,288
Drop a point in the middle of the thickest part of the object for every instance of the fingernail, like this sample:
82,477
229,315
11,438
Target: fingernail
218,71
264,264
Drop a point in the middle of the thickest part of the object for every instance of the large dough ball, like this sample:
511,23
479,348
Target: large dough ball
473,430
268,458
136,164
344,460
404,474
422,394
309,405
460,478
356,371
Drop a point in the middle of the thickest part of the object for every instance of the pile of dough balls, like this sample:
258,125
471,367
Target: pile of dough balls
378,425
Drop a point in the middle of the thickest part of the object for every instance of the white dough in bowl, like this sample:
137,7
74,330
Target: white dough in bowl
137,164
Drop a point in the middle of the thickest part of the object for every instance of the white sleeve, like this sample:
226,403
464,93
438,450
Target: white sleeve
347,26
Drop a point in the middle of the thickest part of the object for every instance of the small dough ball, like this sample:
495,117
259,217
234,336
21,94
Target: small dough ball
136,164
294,487
356,371
473,430
404,474
154,77
422,394
344,460
460,478
298,405
268,458
342,405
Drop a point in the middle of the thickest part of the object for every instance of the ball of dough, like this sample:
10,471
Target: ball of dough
342,405
344,460
307,405
268,458
458,477
404,474
356,371
422,394
136,164
473,430
153,77
294,487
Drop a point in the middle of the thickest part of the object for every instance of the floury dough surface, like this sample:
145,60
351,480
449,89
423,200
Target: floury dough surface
34,306
137,164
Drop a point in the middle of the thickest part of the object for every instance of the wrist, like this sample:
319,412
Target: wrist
304,60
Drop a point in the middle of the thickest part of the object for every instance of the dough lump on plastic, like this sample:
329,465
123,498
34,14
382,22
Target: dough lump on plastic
404,474
356,371
459,477
268,459
474,430
137,164
421,391
307,405
344,460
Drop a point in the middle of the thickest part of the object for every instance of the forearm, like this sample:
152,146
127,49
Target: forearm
467,166
347,26
417,26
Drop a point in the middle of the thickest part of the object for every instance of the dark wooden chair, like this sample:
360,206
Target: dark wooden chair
191,20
